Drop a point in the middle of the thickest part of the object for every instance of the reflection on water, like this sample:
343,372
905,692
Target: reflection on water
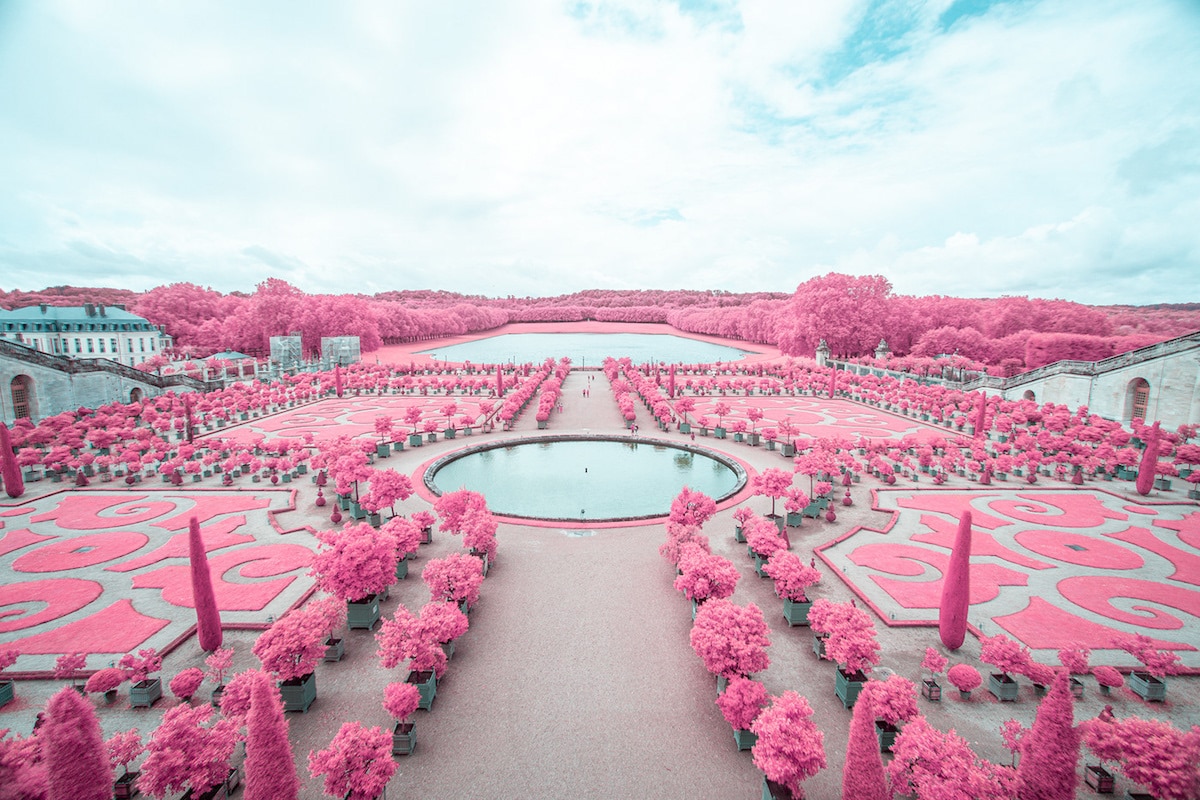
585,480
586,349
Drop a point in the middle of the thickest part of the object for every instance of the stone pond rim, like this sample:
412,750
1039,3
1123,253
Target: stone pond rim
739,473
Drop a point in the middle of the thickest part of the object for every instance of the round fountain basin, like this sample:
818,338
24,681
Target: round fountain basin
584,479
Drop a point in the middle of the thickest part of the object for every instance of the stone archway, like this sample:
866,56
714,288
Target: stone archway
23,397
135,395
1137,399
1029,395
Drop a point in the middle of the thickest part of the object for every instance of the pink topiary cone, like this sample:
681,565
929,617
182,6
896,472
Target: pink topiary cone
76,759
208,616
10,470
862,775
1050,752
1145,476
956,588
270,769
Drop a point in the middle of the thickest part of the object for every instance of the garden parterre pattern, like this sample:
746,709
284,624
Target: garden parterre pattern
351,416
106,572
1050,568
818,417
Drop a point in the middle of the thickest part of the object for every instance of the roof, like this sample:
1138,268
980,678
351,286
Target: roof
70,315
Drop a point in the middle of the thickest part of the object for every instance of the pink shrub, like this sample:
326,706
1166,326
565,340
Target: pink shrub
1155,754
934,661
357,764
1107,676
1158,663
105,680
455,578
964,677
790,747
893,700
123,748
1004,654
405,637
187,750
355,562
742,701
691,507
208,615
862,773
77,766
731,640
293,645
400,700
927,763
706,576
185,684
792,576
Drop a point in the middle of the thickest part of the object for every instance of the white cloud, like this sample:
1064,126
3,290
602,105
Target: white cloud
517,148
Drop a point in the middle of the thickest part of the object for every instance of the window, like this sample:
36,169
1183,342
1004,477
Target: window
91,345
56,347
66,346
142,344
78,346
130,342
151,345
101,345
114,349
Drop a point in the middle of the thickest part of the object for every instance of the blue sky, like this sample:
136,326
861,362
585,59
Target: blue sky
534,147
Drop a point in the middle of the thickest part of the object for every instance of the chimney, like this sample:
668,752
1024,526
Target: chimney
89,309
42,306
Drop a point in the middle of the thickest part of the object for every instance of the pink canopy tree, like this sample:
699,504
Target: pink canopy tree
208,616
927,763
77,766
270,769
691,507
731,640
1050,752
790,747
187,750
358,763
1155,754
355,562
742,701
456,578
956,588
772,483
862,775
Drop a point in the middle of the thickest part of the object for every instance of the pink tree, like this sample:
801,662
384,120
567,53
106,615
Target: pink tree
358,763
22,767
67,666
691,507
455,578
742,701
927,763
1004,654
208,616
10,470
1155,754
956,588
934,662
187,750
123,748
400,700
850,635
792,576
1050,753
387,486
270,769
406,637
731,640
355,562
705,576
1158,663
186,683
790,747
77,766
772,483
862,775
1146,468
453,508
293,645
965,678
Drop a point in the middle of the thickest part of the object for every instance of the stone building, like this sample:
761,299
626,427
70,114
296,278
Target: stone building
87,331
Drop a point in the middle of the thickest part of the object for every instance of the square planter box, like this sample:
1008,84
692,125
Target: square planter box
886,734
719,433
404,739
363,614
819,646
125,786
299,693
426,683
335,649
144,693
1100,779
402,568
414,440
6,693
1003,687
931,690
1148,687
848,686
795,612
745,739
738,536
794,519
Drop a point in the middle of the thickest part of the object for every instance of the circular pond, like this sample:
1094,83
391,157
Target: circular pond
586,349
584,479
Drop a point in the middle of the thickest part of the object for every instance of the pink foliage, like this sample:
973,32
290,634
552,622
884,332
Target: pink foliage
456,578
706,576
443,622
453,507
790,747
956,589
862,774
932,765
731,640
1050,753
270,768
1158,663
934,661
185,684
10,470
1004,654
772,483
1108,676
964,677
893,700
405,533
141,666
123,747
293,645
679,537
387,487
792,576
1075,659
742,701
692,508
187,750
208,615
1146,468
401,699
355,562
1155,754
68,664
105,680
77,766
850,634
218,664
405,637
357,764
762,535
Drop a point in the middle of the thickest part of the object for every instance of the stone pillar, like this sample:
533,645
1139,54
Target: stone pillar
822,353
881,350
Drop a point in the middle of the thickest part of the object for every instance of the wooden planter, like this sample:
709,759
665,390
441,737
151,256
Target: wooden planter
794,519
848,685
298,693
745,739
931,690
796,611
738,535
1148,687
775,791
402,567
426,683
414,440
819,645
1076,688
719,433
6,692
143,694
1100,779
886,733
1003,687
404,739
363,614
125,786
335,649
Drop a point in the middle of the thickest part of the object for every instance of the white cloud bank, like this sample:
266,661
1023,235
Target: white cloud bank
536,147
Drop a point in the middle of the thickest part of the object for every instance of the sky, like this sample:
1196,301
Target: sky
537,147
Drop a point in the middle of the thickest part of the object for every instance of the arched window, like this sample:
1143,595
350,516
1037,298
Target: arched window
1029,395
135,395
1137,399
21,390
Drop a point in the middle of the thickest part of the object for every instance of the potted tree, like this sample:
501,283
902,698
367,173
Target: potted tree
387,487
290,649
144,690
444,623
1007,656
849,641
401,700
188,750
1149,684
762,542
721,409
772,483
123,748
407,536
929,763
424,520
704,576
740,516
455,578
332,613
219,663
1155,754
790,747
357,765
1107,678
893,701
731,640
186,683
792,578
794,504
935,663
105,681
67,666
740,704
1075,659
965,678
356,564
406,637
